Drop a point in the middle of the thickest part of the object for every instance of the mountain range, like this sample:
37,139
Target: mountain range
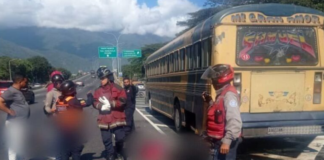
72,49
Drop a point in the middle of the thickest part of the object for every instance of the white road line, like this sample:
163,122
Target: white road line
163,125
316,144
154,125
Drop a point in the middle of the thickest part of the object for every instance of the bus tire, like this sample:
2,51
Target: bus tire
178,119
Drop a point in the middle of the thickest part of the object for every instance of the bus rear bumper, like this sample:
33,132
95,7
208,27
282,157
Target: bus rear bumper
282,124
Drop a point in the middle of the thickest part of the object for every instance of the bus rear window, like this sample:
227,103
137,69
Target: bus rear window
276,46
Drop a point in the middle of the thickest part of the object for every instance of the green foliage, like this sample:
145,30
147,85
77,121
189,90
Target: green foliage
72,49
4,67
214,6
41,68
135,66
37,68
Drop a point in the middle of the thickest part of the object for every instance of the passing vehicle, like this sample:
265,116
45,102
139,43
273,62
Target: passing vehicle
278,62
29,94
140,86
36,85
4,85
79,83
93,74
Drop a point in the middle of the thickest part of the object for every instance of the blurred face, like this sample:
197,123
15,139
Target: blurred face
216,85
57,85
23,83
104,81
126,82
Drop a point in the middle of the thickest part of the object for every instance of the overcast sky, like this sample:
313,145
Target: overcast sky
129,16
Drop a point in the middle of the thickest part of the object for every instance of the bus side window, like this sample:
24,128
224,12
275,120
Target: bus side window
192,64
188,58
198,54
193,57
164,65
167,61
177,61
154,68
182,59
171,62
160,66
206,52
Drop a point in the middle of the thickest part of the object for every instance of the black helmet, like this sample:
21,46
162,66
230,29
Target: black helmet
103,72
68,88
57,78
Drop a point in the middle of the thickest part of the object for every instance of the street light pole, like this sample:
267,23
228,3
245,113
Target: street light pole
10,69
117,47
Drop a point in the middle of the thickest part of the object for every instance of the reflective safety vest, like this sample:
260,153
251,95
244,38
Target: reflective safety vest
67,117
216,116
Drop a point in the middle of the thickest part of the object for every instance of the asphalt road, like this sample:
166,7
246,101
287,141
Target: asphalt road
303,148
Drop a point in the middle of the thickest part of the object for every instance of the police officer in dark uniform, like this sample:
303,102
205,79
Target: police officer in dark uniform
68,118
131,92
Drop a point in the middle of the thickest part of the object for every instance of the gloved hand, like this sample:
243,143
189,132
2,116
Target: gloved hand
105,104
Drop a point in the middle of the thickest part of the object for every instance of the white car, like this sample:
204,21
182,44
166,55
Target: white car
79,83
37,85
141,86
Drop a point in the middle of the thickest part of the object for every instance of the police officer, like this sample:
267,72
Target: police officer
224,122
131,92
110,100
68,117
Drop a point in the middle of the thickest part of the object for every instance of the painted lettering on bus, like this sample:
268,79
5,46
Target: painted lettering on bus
304,19
239,18
253,39
259,18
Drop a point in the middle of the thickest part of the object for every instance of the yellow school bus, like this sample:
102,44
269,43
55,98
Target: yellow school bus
277,53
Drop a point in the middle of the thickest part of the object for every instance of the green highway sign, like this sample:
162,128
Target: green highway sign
132,53
107,52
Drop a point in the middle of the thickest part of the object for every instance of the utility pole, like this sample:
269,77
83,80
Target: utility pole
117,47
10,69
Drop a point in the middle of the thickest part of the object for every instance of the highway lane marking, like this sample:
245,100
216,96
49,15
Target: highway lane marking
164,125
155,116
316,144
305,154
147,119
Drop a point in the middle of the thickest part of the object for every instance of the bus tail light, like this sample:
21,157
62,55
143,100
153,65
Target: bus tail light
317,88
237,82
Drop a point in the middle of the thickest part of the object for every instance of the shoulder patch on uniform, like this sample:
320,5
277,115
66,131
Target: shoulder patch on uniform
233,103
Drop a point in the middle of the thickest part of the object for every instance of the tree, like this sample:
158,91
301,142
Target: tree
4,67
41,68
214,6
199,16
66,73
135,65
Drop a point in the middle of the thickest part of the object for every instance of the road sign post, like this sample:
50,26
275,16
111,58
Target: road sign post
107,52
132,53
